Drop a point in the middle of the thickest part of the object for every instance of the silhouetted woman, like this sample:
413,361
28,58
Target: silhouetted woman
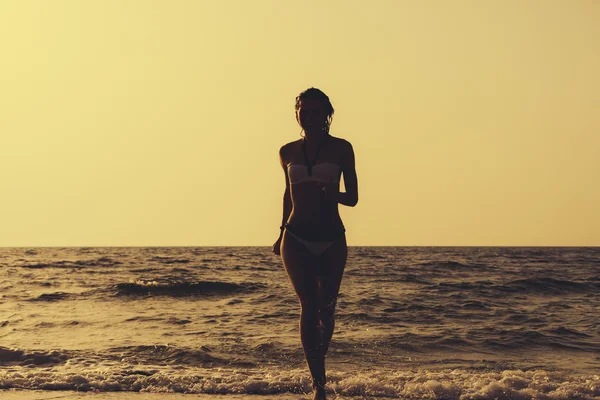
312,243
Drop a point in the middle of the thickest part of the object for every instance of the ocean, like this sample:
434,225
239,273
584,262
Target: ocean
411,322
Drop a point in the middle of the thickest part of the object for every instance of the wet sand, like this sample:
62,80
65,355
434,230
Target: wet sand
11,394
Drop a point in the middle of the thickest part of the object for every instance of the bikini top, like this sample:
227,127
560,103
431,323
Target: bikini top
323,172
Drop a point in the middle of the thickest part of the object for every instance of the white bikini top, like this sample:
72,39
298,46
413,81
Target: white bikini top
323,172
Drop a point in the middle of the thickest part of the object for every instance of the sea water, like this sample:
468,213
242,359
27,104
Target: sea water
411,322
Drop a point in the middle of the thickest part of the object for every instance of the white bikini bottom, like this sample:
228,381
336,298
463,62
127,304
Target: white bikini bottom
316,248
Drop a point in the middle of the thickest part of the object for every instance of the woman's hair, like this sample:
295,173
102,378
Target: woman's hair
314,93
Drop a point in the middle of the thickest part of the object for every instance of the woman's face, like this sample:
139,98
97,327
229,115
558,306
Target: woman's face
311,115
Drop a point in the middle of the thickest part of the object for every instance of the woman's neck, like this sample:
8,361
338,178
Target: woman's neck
314,138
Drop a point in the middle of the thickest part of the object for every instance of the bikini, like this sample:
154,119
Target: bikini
309,172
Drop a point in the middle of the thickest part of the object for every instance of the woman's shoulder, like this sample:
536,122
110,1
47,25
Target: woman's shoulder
286,147
292,143
340,140
343,144
287,150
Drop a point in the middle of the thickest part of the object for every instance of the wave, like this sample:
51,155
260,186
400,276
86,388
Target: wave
412,278
527,338
445,287
155,288
547,286
177,289
170,355
55,296
535,286
12,357
100,262
562,331
484,339
63,324
138,355
169,260
451,265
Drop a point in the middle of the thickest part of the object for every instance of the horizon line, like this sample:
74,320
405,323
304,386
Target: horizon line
182,246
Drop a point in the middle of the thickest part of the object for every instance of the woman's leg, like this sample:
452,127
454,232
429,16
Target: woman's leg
331,269
301,265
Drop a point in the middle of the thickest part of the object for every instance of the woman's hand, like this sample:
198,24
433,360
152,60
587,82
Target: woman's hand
276,247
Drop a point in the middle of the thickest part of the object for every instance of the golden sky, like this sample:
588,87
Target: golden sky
158,123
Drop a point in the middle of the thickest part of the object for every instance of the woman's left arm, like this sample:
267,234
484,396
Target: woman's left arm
350,196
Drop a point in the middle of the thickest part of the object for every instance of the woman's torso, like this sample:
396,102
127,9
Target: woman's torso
313,211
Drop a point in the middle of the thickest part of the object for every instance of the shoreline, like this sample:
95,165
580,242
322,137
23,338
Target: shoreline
24,394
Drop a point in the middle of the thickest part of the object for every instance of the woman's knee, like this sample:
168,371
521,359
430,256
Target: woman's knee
309,306
328,306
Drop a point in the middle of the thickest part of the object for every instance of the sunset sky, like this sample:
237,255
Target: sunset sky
158,123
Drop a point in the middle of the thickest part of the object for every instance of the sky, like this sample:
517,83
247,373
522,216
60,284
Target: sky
158,123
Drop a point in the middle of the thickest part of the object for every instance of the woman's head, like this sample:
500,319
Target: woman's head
314,111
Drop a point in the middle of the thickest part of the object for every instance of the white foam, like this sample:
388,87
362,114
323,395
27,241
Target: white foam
420,384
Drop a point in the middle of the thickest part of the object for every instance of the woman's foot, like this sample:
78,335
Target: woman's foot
319,388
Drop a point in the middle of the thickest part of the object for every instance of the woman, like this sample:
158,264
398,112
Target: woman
312,242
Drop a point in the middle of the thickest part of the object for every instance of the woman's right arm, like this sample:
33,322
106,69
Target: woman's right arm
287,201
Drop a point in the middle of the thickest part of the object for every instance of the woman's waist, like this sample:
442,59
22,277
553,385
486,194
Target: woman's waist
310,201
315,230
315,217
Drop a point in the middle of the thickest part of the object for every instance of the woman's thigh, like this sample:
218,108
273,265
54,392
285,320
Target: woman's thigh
301,267
331,270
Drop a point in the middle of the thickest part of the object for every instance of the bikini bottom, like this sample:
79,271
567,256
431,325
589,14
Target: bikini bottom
316,247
